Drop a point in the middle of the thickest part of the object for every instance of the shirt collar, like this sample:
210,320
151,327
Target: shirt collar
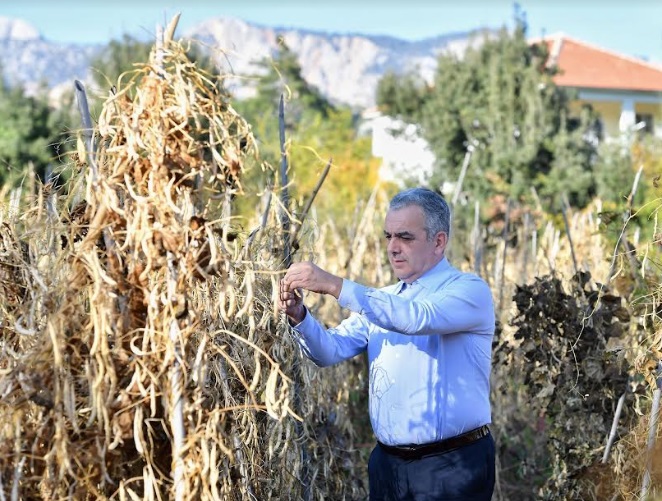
431,278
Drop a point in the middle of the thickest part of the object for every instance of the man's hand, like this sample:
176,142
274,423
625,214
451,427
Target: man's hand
312,278
305,276
291,302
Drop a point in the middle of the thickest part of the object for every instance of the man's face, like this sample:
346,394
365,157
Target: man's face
410,252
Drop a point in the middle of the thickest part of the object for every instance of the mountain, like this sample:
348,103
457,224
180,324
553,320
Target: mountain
344,67
17,29
27,58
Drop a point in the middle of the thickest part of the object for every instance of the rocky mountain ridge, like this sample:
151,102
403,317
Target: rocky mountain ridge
344,67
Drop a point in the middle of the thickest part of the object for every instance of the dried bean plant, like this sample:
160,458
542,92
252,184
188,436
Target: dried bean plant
141,354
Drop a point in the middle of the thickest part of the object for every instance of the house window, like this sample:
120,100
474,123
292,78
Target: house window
644,123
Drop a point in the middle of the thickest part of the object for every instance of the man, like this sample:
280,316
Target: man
429,340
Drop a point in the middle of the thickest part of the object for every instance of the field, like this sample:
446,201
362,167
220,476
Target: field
143,356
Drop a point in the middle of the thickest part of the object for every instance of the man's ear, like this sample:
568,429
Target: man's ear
442,241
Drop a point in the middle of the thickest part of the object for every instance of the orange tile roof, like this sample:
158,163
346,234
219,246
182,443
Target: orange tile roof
588,66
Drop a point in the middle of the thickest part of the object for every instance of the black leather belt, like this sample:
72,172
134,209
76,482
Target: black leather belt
418,451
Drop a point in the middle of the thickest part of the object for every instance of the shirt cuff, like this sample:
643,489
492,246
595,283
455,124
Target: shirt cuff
352,296
306,321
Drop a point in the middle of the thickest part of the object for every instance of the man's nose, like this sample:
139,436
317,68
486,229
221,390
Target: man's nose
393,247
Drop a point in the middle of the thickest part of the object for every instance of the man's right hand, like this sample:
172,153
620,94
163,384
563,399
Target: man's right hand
308,276
291,302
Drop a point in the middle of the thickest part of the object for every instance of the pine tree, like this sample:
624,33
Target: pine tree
28,136
401,95
129,53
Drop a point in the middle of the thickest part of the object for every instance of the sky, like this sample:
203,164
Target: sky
630,27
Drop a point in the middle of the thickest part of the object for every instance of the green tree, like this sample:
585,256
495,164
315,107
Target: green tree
316,132
304,104
353,173
304,107
118,57
282,76
29,134
573,168
129,53
614,173
401,95
499,100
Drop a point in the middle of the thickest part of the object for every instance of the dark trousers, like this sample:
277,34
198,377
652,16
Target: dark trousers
465,474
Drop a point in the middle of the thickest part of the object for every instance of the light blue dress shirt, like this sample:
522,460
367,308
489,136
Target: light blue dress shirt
429,352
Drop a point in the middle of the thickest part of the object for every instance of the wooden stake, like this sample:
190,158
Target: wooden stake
463,172
476,239
309,203
502,270
564,206
652,434
284,195
614,427
88,130
287,261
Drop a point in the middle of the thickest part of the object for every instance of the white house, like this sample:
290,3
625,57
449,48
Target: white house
625,91
404,154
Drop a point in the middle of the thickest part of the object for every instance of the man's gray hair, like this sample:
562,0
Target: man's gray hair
434,206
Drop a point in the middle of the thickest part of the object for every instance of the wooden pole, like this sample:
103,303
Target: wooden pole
309,203
463,172
176,396
534,250
525,251
284,194
287,261
622,239
652,434
88,130
176,408
502,270
477,239
614,427
564,206
263,221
